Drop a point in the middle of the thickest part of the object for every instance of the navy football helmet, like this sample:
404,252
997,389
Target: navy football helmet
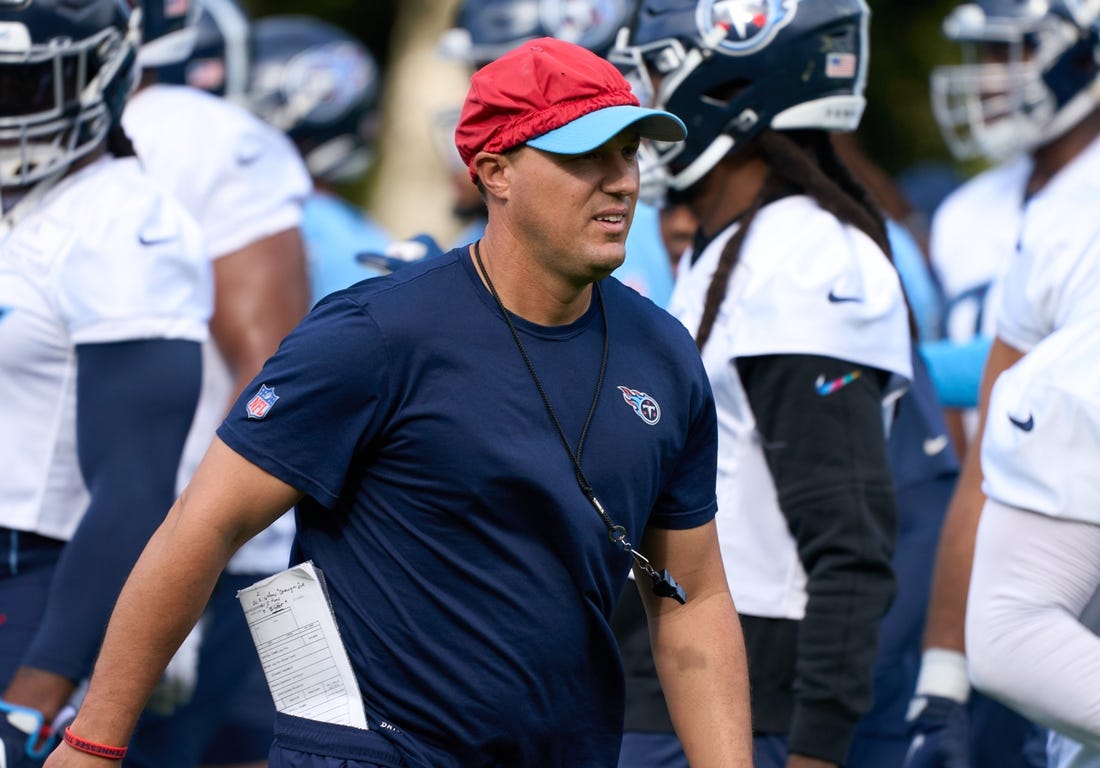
486,29
1029,73
168,31
66,69
218,61
593,24
319,85
732,68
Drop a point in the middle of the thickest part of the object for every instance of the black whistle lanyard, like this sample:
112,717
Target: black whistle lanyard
663,583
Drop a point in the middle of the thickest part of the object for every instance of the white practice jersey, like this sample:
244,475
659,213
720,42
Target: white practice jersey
1055,275
818,288
242,180
1042,435
105,256
973,238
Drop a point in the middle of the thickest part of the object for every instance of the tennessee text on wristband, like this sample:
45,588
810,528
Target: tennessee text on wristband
92,748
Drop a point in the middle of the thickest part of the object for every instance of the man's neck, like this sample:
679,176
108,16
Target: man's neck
523,288
1052,158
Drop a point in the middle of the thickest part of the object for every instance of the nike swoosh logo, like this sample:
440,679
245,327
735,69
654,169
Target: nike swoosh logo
154,239
249,152
826,388
1027,425
934,446
835,298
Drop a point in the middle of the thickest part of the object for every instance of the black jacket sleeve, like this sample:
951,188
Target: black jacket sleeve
821,423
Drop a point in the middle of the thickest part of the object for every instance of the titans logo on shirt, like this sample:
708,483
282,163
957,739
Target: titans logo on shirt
644,405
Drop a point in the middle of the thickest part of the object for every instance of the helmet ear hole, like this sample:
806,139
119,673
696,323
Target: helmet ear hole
723,95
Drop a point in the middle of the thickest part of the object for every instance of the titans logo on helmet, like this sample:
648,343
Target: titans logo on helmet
741,27
584,22
645,406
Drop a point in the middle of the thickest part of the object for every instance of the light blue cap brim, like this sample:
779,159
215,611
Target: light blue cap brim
590,131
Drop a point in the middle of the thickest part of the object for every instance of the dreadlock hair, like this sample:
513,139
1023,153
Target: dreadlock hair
805,161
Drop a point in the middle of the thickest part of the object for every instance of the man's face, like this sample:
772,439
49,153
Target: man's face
573,212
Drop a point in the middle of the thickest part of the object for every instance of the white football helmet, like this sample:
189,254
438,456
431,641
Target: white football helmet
1029,73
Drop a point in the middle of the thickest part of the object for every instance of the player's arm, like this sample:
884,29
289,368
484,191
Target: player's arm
261,291
698,649
135,401
937,712
227,502
1034,577
955,553
820,419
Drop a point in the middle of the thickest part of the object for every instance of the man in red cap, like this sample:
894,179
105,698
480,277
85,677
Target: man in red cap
480,447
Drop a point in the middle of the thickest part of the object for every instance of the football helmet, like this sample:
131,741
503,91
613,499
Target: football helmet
592,24
731,68
219,58
319,85
66,69
486,29
1029,73
168,31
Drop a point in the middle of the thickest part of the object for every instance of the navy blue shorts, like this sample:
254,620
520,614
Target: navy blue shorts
27,567
306,744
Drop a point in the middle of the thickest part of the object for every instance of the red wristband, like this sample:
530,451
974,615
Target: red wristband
93,748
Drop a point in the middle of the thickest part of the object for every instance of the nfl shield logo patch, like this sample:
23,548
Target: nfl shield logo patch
261,402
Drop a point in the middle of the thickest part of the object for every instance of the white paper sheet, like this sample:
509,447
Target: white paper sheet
303,657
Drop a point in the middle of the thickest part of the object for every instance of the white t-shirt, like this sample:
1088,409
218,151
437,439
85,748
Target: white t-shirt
1054,276
105,256
973,238
778,302
1042,435
242,180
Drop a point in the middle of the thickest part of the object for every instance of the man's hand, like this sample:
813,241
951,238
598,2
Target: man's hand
26,739
940,733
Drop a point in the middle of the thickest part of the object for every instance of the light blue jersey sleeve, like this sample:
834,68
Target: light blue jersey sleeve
922,291
956,369
335,232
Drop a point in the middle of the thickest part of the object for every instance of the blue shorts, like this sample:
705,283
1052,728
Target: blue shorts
230,717
663,750
26,571
303,743
651,750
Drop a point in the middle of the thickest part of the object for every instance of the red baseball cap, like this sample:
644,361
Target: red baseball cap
555,96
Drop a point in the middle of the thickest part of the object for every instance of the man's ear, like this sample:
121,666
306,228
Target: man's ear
492,170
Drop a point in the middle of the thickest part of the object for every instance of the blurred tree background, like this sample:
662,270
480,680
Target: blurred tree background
405,191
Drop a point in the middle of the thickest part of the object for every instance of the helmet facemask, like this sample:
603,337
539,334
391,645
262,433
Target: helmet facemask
58,102
1021,82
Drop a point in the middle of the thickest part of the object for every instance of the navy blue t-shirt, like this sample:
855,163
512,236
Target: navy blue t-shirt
471,579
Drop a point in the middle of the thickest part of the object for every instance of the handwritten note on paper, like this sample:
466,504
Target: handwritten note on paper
304,660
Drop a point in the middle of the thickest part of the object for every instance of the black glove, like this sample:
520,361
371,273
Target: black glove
25,737
939,730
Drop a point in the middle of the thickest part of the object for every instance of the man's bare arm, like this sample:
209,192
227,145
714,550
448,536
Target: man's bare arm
227,502
698,649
